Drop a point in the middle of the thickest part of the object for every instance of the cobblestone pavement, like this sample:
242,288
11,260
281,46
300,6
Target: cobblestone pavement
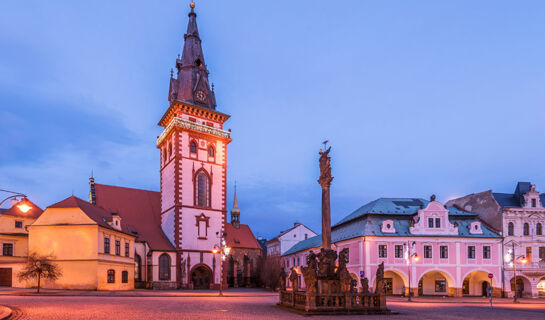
260,307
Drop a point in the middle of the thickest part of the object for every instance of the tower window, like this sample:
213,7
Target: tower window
198,62
510,229
211,152
202,189
534,203
193,147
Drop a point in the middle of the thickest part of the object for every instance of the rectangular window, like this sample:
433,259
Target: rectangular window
529,254
111,276
306,236
471,252
444,252
486,252
542,254
398,251
117,247
427,252
106,245
382,251
430,222
438,222
125,277
7,249
440,286
127,249
19,224
534,203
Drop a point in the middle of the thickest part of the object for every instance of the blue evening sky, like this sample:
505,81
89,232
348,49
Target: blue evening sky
416,97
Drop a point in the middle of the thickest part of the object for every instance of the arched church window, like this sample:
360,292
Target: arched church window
164,267
526,229
539,230
137,267
202,189
211,152
193,147
510,229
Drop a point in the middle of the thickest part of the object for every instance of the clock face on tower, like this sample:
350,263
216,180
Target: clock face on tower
200,96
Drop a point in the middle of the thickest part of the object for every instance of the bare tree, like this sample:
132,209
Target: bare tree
38,267
270,272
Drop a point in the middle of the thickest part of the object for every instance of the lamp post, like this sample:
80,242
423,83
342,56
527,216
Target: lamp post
410,253
223,251
23,206
514,259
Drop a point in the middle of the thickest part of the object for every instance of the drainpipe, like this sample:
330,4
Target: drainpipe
502,268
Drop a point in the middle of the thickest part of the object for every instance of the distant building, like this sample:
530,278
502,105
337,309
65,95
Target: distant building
520,217
288,238
14,241
456,251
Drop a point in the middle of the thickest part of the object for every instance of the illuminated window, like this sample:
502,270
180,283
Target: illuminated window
382,251
164,267
7,249
193,147
106,245
202,189
124,276
510,229
111,276
440,286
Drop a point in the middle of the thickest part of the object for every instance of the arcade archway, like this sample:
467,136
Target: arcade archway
435,283
476,284
524,287
395,282
541,287
201,277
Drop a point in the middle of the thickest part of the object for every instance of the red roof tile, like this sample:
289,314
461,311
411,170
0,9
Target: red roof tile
240,238
140,211
34,212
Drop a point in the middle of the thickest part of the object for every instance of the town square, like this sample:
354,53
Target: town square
266,160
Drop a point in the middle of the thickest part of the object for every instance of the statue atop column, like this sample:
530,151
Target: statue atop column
325,182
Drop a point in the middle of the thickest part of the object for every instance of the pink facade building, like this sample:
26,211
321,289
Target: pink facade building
193,148
453,252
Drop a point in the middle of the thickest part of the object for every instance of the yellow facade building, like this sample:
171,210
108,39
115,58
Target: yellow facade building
14,241
93,247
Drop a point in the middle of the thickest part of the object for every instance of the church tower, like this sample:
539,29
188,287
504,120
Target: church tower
193,162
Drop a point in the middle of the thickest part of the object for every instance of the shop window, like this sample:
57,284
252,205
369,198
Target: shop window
440,286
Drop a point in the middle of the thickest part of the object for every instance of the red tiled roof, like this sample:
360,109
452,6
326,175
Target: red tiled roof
96,213
140,211
34,212
241,237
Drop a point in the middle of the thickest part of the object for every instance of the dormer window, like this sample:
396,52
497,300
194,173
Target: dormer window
475,228
438,222
534,203
430,222
388,226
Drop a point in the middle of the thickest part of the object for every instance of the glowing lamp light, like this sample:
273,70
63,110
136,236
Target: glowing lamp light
523,260
227,250
23,206
416,258
215,250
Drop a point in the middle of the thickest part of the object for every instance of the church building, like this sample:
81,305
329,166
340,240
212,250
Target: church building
193,166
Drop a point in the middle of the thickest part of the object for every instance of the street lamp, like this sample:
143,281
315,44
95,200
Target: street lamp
24,205
511,257
223,250
410,254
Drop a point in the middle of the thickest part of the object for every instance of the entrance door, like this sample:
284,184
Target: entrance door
201,278
484,287
388,286
5,277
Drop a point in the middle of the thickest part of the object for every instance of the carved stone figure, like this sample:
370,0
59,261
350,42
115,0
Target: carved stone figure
342,272
294,279
310,273
326,264
283,277
379,279
364,285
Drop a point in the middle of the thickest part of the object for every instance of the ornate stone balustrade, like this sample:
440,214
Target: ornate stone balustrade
186,124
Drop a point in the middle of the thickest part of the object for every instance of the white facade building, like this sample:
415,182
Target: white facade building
288,238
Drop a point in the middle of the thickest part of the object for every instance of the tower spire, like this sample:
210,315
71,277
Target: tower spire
235,212
191,84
